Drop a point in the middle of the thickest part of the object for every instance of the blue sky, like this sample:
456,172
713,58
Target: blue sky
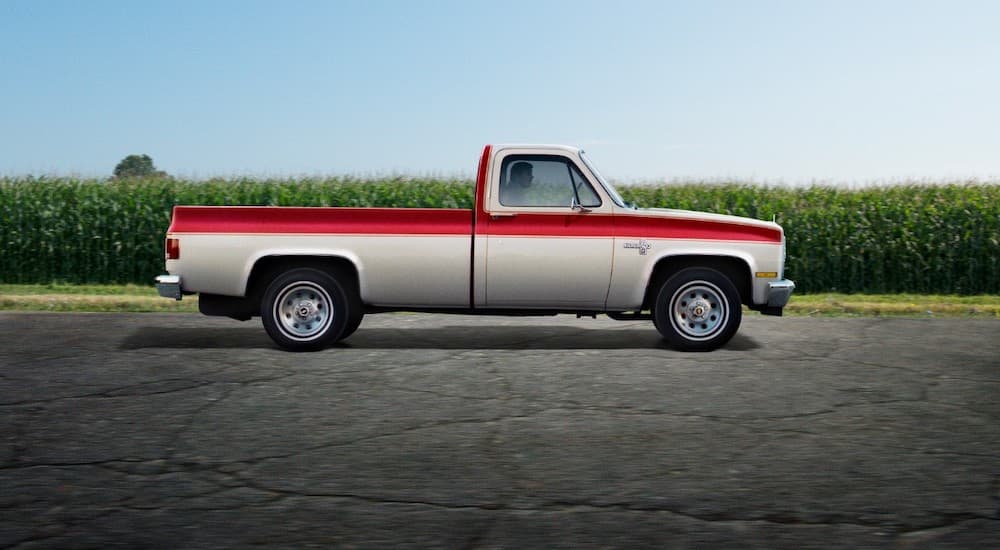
793,91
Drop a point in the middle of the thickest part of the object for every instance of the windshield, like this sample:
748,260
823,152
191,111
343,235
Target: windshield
604,183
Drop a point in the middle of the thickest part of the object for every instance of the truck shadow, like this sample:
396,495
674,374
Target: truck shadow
544,337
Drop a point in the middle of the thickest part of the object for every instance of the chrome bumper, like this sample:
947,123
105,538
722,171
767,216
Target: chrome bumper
169,286
778,292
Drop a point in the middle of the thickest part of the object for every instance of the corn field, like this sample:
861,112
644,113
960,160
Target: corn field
919,238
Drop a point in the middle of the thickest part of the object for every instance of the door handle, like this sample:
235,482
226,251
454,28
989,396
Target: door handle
499,215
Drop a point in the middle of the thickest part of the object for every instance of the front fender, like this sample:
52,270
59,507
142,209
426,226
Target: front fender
632,274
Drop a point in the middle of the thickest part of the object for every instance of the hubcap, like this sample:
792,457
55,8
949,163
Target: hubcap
698,310
303,310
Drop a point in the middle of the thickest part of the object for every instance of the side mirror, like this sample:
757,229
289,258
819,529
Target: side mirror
574,204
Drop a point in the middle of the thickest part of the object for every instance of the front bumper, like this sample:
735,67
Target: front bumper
169,286
778,292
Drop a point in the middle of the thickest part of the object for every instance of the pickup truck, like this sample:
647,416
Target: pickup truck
546,235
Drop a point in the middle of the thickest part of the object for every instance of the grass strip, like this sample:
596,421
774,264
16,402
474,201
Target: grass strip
908,305
138,298
95,303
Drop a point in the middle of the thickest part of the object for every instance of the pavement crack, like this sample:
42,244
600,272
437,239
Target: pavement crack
947,522
355,441
119,392
776,518
174,443
266,379
34,540
286,493
575,406
950,377
436,393
61,465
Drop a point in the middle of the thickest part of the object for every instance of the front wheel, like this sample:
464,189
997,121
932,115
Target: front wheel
353,323
698,309
305,309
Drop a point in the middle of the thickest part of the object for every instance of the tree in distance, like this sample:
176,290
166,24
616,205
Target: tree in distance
137,166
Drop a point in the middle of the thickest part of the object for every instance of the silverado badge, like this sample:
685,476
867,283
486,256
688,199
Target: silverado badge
643,245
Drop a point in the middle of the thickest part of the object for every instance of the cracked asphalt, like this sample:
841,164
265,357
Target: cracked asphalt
174,430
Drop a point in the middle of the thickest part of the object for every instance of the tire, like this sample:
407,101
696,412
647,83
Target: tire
305,309
353,323
698,309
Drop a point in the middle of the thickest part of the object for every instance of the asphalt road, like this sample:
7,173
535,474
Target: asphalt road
185,431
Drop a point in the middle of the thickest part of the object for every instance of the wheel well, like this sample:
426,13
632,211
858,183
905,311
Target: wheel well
269,267
736,269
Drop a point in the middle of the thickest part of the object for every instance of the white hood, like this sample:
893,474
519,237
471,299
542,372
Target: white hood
706,216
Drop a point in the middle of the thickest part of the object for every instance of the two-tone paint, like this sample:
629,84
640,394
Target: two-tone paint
599,258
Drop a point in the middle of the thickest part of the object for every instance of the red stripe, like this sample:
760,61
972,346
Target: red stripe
482,219
272,219
440,221
629,226
553,225
654,227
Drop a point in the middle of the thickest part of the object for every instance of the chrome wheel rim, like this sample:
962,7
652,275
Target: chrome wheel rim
698,310
303,310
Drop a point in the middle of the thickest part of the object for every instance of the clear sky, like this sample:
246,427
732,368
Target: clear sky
792,91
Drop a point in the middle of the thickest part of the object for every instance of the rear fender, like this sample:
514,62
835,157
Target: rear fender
303,255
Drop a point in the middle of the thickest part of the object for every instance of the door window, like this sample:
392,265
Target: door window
544,181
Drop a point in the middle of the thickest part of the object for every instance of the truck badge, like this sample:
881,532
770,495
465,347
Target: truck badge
643,245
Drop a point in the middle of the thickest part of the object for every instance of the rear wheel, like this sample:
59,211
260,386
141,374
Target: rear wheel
698,309
305,309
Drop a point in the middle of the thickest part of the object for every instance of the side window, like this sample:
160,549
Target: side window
584,192
544,181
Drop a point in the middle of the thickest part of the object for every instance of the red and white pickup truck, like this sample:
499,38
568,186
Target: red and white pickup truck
547,235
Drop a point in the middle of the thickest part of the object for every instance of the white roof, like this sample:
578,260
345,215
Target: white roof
564,148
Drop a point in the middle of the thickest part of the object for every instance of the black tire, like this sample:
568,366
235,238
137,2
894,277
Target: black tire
305,309
698,309
353,323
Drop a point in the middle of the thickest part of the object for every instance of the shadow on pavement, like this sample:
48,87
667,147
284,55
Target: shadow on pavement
450,337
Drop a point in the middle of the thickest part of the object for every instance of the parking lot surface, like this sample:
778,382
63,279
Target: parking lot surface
177,430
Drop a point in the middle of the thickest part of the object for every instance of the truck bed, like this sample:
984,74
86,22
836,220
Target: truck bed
407,257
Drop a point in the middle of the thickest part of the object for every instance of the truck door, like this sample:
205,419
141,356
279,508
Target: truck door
549,235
